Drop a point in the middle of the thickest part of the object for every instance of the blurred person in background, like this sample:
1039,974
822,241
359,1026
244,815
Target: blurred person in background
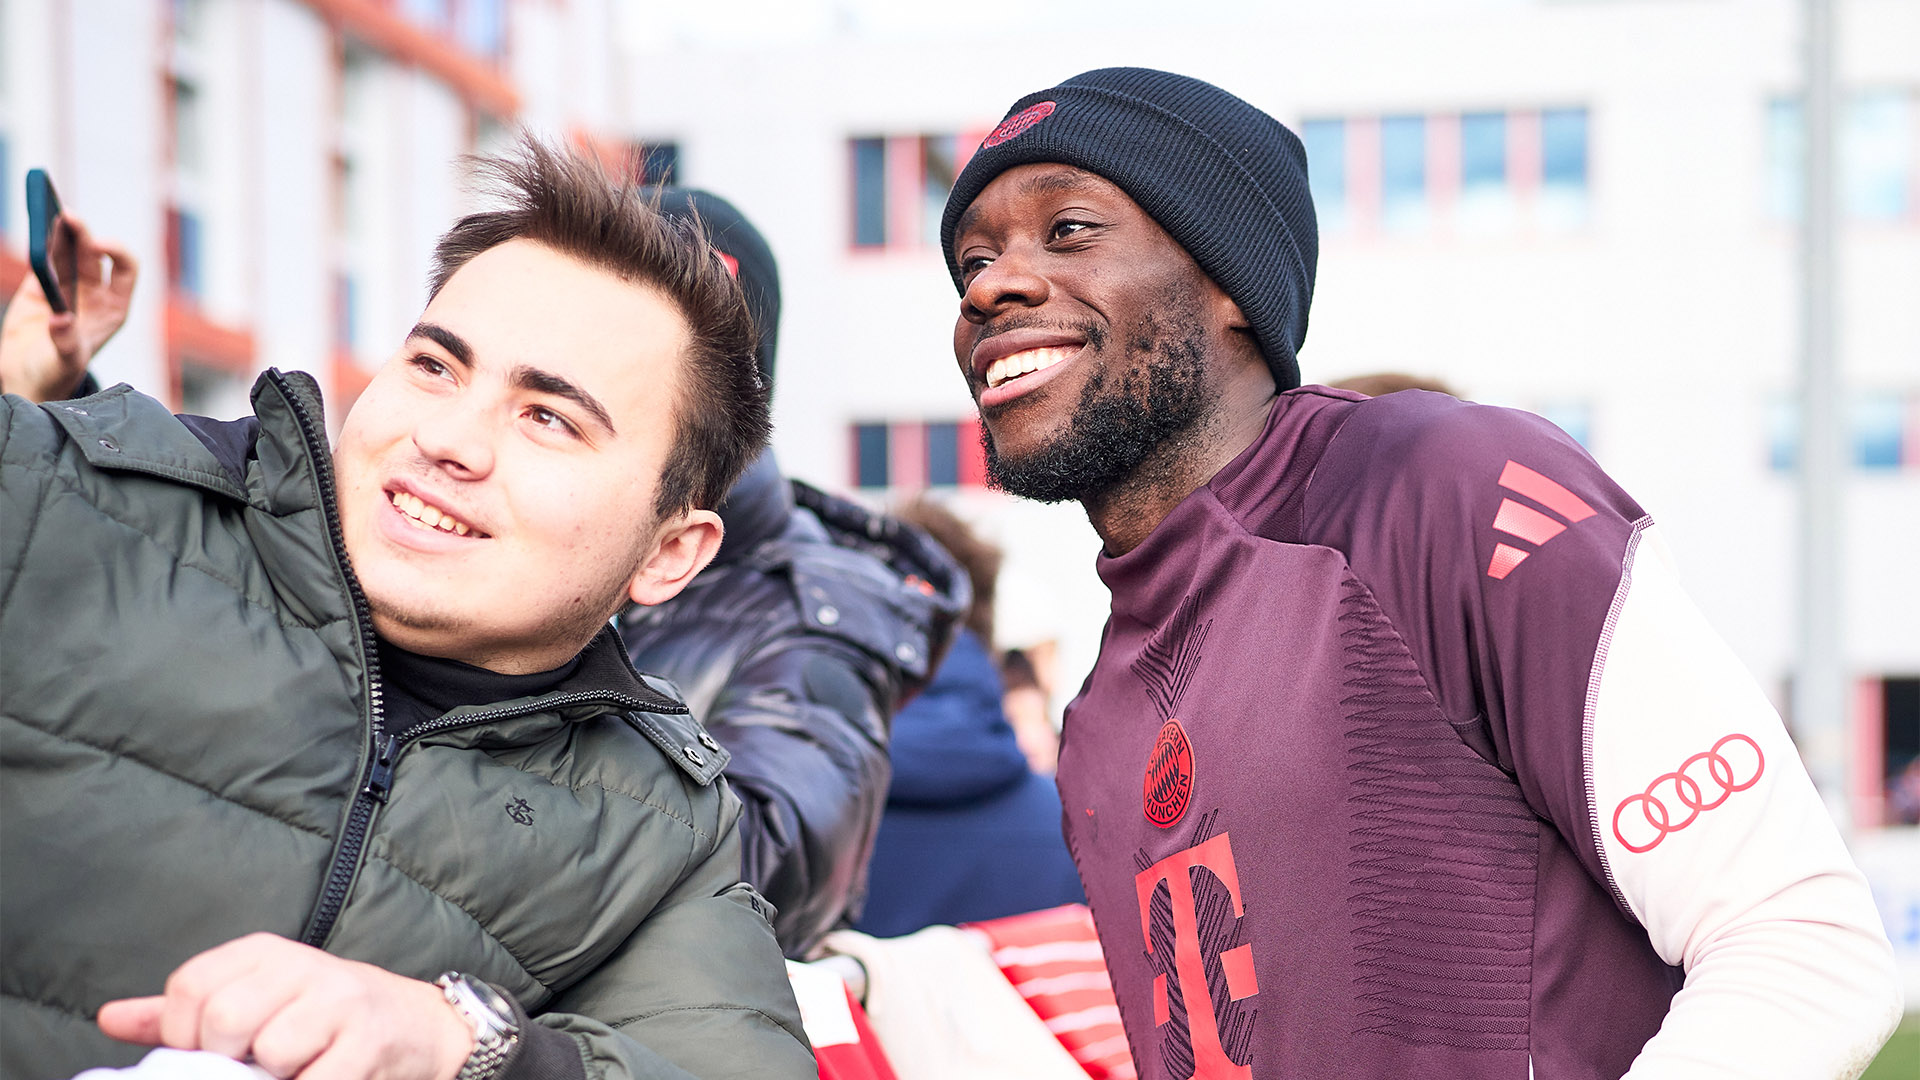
972,831
1391,382
1405,754
332,751
796,644
1029,709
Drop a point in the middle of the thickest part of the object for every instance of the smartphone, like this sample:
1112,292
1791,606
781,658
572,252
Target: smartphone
50,244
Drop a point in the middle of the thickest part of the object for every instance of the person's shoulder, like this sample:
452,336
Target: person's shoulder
121,431
870,579
1423,431
1422,465
1417,441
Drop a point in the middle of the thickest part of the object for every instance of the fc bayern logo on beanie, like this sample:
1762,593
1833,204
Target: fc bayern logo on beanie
1018,123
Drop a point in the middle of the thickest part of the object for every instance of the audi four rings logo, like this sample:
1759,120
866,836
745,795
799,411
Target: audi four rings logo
1702,782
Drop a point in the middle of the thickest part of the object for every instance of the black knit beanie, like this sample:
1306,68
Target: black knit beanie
1224,179
751,259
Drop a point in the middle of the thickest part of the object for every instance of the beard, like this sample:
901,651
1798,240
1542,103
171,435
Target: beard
1124,415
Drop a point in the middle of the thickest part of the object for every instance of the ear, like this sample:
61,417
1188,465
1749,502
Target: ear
683,546
1230,314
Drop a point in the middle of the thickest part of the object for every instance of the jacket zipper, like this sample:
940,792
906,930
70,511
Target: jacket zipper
346,856
378,787
379,784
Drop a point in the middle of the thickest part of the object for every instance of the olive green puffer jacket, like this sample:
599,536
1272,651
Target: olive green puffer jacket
191,750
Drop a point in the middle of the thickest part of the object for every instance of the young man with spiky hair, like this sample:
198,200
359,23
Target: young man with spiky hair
329,760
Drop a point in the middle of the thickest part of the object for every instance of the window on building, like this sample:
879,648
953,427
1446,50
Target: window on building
1786,146
1877,155
870,455
184,252
1486,197
869,192
483,27
1326,146
907,454
939,168
1879,431
1483,151
1882,431
1563,165
943,454
1403,172
1876,150
900,188
1900,748
189,137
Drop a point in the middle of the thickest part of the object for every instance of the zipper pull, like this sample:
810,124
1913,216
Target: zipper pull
380,777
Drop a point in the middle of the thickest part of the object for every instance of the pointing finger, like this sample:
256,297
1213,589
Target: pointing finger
133,1020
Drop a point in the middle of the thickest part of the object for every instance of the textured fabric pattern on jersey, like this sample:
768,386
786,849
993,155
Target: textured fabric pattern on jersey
1443,857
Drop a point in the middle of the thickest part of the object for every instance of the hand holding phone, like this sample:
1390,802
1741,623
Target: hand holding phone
45,346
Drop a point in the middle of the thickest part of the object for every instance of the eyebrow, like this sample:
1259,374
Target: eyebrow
524,376
1052,182
444,338
546,382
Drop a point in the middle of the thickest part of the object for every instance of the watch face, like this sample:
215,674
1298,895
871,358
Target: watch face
491,999
490,1013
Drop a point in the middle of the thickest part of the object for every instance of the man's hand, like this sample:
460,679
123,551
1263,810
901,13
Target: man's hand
297,1011
43,356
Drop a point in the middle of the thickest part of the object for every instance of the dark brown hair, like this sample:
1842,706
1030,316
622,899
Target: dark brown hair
978,558
569,204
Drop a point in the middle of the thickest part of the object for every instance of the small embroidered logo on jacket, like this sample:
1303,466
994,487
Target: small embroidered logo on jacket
1018,123
1523,522
1169,784
1734,764
521,811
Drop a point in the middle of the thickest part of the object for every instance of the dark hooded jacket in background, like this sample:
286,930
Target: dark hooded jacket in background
971,832
817,620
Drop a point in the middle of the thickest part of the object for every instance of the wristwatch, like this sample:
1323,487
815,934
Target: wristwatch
495,1032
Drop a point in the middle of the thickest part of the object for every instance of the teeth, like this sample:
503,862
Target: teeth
1026,362
426,516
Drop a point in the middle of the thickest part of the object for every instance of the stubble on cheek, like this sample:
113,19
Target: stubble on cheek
1129,406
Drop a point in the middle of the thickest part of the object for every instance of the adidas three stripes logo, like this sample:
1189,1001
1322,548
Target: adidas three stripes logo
1523,522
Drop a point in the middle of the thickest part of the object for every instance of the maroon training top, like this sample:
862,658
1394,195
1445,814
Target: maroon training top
1325,783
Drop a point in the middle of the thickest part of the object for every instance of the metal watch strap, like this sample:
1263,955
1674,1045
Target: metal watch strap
495,1034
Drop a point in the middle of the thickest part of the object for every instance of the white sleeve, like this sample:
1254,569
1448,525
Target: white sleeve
1712,833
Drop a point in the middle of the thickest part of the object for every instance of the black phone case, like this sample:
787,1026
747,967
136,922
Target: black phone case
43,212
